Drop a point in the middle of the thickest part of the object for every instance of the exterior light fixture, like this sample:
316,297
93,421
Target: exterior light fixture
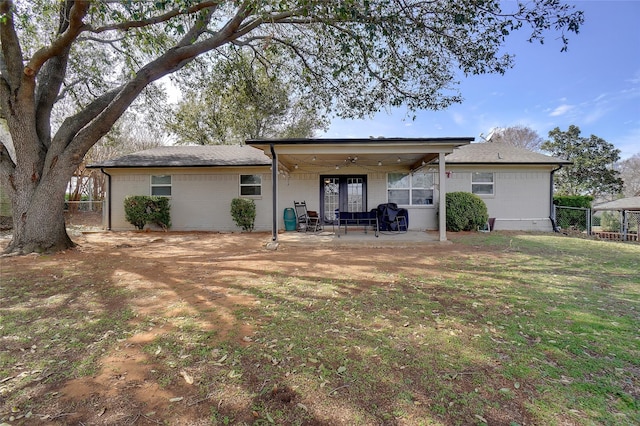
296,166
398,160
379,163
314,158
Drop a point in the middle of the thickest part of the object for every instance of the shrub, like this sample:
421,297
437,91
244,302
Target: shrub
142,209
465,212
583,201
243,212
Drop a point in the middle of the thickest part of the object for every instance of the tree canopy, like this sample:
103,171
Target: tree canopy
354,56
238,98
592,172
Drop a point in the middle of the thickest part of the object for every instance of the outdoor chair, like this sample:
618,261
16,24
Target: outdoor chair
308,220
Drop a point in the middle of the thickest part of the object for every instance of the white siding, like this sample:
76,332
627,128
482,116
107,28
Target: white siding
521,198
201,198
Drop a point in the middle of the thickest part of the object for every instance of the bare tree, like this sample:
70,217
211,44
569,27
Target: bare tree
125,137
630,173
521,136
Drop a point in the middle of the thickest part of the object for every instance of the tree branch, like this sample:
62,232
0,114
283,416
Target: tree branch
198,28
90,129
63,43
11,51
127,25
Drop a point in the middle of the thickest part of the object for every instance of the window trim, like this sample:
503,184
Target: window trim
161,185
411,188
241,185
492,183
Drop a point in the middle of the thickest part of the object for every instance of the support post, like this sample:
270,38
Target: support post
442,197
274,189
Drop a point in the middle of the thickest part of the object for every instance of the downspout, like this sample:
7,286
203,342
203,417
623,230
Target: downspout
552,212
274,189
442,198
108,199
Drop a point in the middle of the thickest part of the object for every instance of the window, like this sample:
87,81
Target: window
482,183
250,185
161,185
410,189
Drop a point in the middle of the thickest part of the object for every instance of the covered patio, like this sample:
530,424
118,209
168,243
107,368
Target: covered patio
317,159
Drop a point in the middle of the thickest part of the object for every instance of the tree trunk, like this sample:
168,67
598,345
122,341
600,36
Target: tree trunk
38,221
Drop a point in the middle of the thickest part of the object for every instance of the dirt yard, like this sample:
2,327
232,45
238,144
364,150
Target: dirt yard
165,287
168,275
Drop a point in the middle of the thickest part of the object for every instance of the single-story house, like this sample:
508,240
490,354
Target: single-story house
354,175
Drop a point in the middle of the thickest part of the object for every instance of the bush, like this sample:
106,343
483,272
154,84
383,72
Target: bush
243,212
142,209
465,212
583,201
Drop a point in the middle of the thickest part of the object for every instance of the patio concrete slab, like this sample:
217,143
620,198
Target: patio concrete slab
357,237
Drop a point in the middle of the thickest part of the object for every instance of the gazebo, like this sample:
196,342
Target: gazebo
630,209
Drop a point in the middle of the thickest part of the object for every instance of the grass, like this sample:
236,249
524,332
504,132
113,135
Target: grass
502,329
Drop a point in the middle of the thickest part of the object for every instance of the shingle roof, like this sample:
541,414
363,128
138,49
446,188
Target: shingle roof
499,153
630,203
190,156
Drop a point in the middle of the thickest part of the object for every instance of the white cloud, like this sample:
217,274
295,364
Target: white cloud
561,110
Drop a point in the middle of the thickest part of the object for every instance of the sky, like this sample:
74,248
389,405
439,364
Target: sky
595,85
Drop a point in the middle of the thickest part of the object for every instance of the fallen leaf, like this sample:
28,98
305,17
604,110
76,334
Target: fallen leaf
234,375
482,419
187,377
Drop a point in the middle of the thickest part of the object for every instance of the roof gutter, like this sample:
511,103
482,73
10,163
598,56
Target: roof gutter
108,199
552,207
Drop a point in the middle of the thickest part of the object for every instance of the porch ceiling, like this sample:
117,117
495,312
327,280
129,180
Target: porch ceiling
323,155
319,162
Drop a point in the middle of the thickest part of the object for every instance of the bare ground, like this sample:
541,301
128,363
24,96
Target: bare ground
168,275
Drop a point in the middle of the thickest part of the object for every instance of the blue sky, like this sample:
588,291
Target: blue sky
595,85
